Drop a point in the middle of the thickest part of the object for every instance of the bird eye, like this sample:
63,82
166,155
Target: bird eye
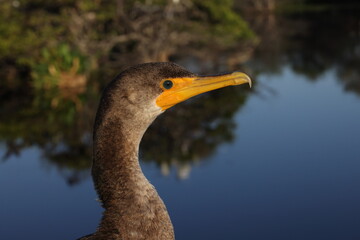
167,84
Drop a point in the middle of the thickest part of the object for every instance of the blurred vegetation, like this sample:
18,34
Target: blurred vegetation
96,27
68,50
56,57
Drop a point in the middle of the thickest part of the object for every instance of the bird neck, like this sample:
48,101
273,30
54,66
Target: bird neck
116,170
131,203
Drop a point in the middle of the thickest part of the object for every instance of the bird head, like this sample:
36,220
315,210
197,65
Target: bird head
146,90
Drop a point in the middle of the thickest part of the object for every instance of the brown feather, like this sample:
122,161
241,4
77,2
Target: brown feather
133,208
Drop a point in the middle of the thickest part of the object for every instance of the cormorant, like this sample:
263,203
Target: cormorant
129,104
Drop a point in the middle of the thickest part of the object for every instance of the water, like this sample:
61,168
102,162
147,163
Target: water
291,173
285,164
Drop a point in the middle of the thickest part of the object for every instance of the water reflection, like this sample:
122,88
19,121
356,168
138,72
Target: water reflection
67,74
184,136
60,121
193,131
310,44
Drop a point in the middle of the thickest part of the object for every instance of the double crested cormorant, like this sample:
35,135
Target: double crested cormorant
129,104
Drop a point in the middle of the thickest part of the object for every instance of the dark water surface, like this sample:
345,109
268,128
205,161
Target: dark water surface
288,169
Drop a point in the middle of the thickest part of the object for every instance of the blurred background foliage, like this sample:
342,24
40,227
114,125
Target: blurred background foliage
56,57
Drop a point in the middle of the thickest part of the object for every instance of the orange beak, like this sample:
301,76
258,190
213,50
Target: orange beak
185,88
